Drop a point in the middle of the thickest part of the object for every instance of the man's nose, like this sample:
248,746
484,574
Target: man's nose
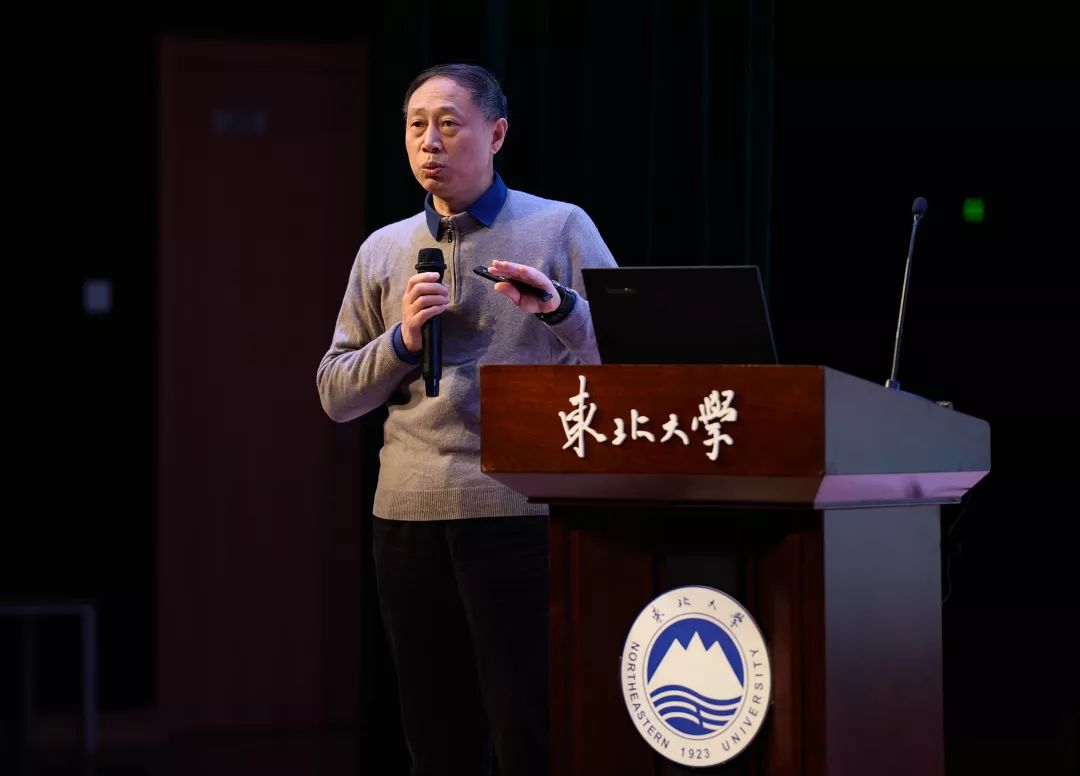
432,140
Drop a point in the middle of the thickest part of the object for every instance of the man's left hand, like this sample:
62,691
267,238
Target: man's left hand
533,277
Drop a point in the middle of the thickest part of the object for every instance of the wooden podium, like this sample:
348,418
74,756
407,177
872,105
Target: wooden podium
819,512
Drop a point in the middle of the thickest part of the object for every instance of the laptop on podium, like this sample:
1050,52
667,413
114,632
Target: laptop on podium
680,315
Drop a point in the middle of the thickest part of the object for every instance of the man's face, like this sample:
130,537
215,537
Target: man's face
450,143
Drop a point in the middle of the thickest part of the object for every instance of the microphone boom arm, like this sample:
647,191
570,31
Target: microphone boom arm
918,210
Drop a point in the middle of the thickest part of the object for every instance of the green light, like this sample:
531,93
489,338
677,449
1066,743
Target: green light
974,210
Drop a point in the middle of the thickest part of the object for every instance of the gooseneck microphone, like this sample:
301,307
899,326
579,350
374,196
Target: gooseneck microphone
431,260
918,210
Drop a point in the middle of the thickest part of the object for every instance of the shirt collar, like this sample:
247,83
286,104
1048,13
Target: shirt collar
484,209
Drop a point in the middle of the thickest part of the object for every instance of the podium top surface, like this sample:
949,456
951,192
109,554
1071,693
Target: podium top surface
801,435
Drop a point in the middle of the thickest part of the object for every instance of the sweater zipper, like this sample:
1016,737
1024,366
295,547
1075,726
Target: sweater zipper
453,260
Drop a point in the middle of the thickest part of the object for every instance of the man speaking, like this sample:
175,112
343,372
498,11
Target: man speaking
460,560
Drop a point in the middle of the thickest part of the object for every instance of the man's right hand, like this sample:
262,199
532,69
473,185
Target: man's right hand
425,297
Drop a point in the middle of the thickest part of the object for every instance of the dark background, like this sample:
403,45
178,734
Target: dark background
793,136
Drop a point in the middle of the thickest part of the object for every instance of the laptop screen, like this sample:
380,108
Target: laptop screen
680,315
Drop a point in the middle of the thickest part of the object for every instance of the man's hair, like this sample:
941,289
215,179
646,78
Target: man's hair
486,93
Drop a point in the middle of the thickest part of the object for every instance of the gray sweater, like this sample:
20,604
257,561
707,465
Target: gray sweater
430,460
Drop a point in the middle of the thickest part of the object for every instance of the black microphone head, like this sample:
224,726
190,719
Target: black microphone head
918,207
430,260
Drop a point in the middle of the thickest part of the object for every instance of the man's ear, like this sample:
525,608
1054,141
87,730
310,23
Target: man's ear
498,134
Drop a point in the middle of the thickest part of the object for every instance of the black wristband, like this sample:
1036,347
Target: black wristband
568,298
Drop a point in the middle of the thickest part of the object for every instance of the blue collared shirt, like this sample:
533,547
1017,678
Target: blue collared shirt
485,209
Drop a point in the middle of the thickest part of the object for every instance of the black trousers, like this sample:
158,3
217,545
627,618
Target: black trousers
464,603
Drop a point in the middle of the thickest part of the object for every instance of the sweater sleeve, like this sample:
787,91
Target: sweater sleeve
361,369
585,248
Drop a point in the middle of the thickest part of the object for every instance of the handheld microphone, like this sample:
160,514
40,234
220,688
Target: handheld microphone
918,210
431,260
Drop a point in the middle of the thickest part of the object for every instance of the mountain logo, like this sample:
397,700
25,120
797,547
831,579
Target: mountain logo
696,676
